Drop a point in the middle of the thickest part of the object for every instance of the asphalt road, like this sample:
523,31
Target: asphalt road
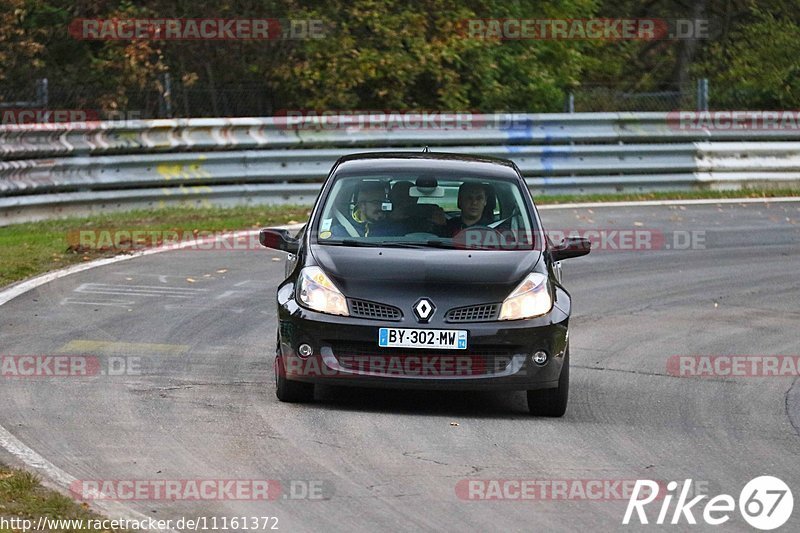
202,405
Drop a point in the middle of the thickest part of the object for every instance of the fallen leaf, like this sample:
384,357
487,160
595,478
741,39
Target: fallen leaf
191,280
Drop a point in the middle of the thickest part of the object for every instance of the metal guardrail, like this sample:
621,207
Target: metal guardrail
172,135
53,170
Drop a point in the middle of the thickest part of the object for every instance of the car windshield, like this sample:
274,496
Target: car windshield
420,211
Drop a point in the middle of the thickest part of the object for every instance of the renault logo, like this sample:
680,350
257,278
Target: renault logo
424,309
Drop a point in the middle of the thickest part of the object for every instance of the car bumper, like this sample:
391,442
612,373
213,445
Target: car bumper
346,352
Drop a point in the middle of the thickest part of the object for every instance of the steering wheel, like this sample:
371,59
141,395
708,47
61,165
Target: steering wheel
482,227
422,235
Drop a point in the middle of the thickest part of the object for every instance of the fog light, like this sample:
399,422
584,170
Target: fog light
539,357
305,350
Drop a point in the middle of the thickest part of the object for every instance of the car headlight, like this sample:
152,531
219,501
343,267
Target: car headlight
316,291
531,298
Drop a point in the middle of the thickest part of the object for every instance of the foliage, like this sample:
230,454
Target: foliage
398,54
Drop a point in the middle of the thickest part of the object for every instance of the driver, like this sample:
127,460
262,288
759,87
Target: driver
368,219
472,200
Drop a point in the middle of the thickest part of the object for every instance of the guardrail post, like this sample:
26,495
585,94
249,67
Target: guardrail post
569,102
41,92
165,97
702,94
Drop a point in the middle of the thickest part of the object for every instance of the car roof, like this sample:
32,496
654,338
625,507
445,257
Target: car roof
426,161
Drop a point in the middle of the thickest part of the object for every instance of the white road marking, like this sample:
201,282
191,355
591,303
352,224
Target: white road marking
181,307
230,293
139,290
646,203
112,303
62,479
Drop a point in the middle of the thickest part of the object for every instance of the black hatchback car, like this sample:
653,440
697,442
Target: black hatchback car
423,270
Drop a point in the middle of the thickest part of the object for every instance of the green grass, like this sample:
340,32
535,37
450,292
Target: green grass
30,249
22,496
33,248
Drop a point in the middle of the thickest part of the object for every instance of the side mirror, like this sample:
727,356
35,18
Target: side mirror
278,239
571,247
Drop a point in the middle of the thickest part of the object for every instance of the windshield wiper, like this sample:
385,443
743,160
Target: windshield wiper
396,244
391,244
351,242
441,244
424,244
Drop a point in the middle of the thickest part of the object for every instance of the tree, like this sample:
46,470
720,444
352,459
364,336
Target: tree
758,65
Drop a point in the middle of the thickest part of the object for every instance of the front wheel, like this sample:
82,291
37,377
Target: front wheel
291,391
552,402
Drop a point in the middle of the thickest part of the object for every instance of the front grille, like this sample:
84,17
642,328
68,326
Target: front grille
482,360
373,310
473,313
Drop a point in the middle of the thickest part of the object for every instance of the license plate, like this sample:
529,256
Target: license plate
438,339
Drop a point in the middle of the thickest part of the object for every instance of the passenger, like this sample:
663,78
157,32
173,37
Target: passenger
412,216
473,201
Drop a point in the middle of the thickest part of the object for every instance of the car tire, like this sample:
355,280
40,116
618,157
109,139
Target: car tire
291,391
552,402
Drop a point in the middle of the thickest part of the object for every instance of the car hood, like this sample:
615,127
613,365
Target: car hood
400,276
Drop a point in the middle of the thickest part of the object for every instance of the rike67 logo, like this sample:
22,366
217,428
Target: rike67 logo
765,503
